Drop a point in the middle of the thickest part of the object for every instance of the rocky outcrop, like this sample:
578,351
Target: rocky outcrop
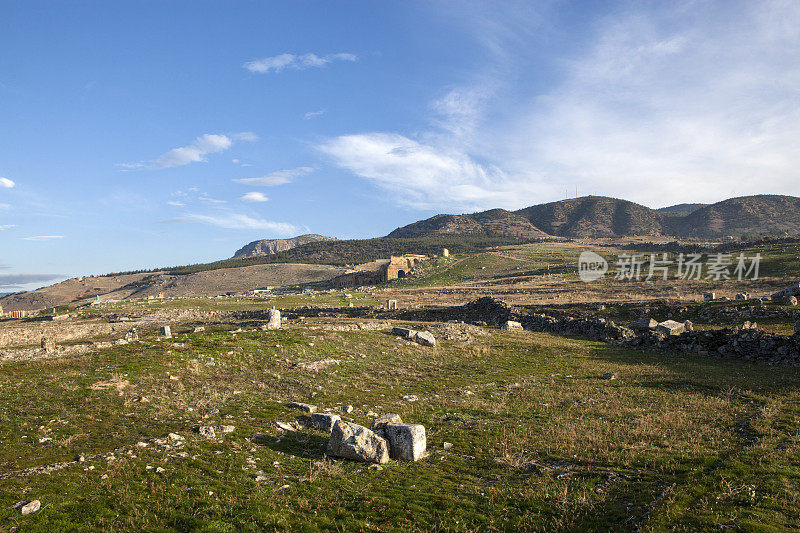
357,443
273,246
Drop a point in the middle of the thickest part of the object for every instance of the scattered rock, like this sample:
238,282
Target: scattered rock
406,441
510,325
784,294
709,296
286,426
308,408
791,301
324,421
30,507
228,429
351,441
425,338
410,398
176,437
316,366
166,332
609,376
688,325
345,408
447,445
198,329
643,324
404,332
207,432
48,345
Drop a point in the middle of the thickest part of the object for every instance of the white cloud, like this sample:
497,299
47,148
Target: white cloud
5,227
196,152
254,197
6,183
296,62
279,177
692,103
246,136
314,114
424,176
5,207
206,199
175,203
43,238
242,221
16,280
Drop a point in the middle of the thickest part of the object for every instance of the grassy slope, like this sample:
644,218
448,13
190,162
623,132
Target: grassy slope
540,443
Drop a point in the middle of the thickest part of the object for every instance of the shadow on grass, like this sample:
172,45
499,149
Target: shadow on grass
692,371
305,444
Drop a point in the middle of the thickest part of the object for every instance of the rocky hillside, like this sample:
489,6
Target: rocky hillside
600,216
273,246
594,216
681,209
747,215
493,223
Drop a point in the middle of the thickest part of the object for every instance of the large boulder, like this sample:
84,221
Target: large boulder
643,324
391,418
671,327
404,332
425,338
357,443
406,441
273,319
324,421
511,325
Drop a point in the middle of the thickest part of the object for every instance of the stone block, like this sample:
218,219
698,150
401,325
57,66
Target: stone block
357,443
406,441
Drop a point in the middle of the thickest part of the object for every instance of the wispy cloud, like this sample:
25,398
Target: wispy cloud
314,114
657,105
5,227
195,152
254,197
246,136
295,62
5,207
242,221
43,238
175,203
423,176
6,183
279,177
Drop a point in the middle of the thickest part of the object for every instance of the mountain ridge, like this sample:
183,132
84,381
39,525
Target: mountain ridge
273,246
602,216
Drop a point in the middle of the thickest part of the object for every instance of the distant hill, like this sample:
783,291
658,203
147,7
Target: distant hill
273,246
764,214
681,209
594,216
600,216
493,223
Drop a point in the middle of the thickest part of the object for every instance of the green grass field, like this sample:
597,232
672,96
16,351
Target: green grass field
540,443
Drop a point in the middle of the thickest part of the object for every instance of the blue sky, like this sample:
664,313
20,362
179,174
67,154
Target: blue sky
144,134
